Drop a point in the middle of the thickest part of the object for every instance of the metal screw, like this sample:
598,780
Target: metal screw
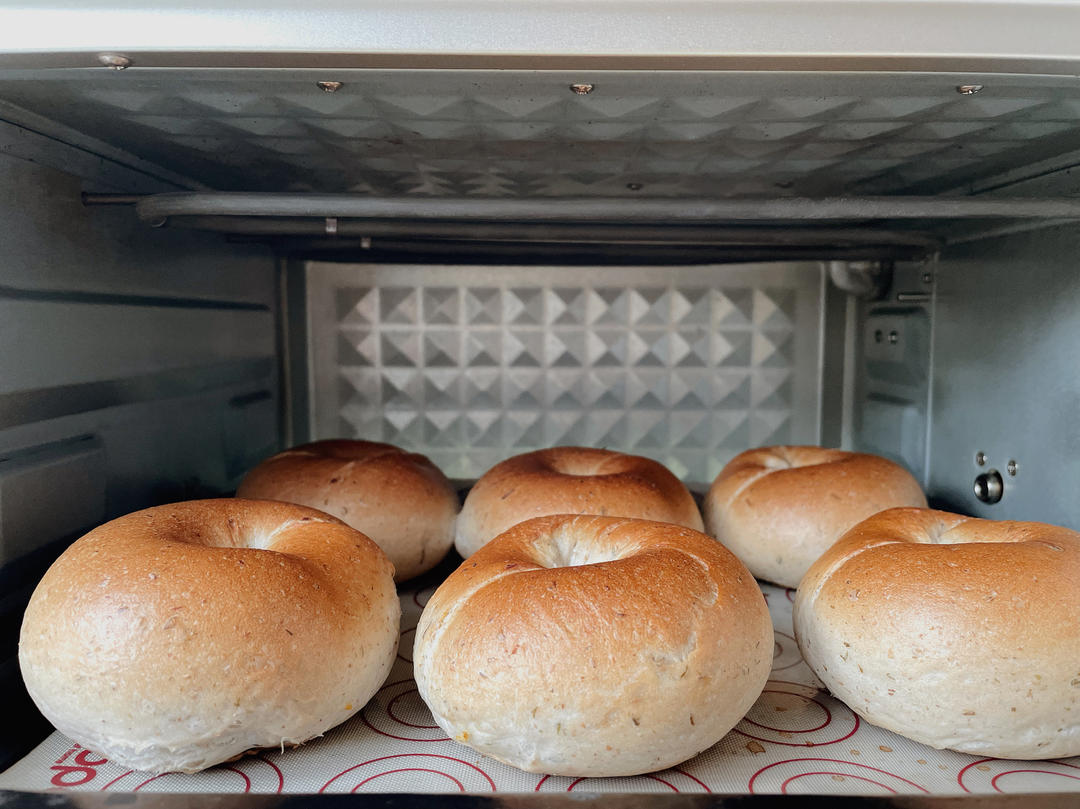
893,337
330,86
927,278
115,61
634,186
1011,468
582,89
980,459
879,335
969,89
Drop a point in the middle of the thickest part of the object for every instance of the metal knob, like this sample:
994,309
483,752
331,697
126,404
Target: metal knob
989,486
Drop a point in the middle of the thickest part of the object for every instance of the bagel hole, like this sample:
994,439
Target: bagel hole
935,534
566,548
941,533
588,464
777,459
265,540
580,468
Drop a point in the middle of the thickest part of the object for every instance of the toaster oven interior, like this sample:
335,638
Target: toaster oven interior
203,265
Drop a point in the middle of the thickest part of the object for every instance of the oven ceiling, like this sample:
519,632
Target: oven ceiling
527,134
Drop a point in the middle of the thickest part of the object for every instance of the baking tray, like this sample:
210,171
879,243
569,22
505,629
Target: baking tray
795,740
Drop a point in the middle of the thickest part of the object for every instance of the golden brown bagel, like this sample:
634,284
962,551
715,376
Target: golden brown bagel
571,480
180,636
779,508
955,632
399,499
594,646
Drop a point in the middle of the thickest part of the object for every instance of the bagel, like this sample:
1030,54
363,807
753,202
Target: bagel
399,499
181,636
779,508
594,646
955,632
571,480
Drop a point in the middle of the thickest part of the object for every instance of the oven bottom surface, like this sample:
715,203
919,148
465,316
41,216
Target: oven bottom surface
796,739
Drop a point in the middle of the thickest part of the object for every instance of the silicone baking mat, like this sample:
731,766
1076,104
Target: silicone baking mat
796,739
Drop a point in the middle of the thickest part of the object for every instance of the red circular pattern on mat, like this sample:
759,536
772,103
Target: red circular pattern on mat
651,777
470,770
842,775
786,651
403,645
460,786
994,780
985,766
809,697
825,723
268,779
382,717
399,720
665,777
860,768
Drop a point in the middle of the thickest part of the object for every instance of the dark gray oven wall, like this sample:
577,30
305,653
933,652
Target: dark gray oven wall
1006,376
137,367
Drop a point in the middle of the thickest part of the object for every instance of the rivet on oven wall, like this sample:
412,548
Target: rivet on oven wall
1011,468
115,60
980,459
927,278
893,337
969,89
330,86
634,186
331,226
365,242
582,89
879,335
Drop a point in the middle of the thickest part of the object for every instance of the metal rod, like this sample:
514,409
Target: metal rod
564,232
607,254
111,199
616,210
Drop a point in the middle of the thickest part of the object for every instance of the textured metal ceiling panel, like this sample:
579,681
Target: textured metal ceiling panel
526,134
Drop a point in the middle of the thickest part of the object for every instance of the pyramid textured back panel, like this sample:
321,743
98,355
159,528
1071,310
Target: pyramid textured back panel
470,365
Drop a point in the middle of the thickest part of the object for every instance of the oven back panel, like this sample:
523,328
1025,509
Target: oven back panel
469,365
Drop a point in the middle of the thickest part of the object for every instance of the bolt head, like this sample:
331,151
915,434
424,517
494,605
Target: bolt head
1012,468
634,186
115,60
329,86
582,89
980,459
